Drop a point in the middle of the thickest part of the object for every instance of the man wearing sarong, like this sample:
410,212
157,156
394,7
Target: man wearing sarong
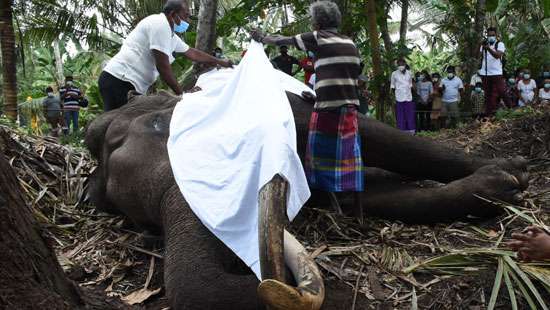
333,157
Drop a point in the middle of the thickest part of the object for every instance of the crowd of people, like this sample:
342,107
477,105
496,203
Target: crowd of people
431,102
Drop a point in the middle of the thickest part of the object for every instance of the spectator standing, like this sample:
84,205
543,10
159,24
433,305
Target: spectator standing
285,62
478,101
435,115
424,89
402,84
527,88
307,64
544,92
545,74
333,160
70,96
476,78
491,71
218,53
52,111
511,93
452,87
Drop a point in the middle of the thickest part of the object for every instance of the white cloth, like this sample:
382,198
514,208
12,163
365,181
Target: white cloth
402,83
134,62
229,140
452,87
494,66
526,92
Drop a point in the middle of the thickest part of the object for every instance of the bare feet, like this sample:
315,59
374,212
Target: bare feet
516,166
533,244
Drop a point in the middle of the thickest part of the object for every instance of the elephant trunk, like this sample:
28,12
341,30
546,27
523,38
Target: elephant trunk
278,246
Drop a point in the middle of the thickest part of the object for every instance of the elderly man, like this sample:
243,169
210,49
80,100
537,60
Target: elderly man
333,157
147,51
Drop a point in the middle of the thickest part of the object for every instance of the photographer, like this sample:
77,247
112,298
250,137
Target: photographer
491,72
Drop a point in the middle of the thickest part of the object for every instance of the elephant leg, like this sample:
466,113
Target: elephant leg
421,158
410,203
199,269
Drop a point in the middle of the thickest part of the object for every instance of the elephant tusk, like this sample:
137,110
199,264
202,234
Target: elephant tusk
271,222
277,246
310,292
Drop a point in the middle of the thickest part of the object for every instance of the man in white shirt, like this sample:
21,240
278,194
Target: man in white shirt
452,89
148,52
491,72
401,85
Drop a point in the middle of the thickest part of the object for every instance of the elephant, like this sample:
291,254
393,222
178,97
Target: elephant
134,178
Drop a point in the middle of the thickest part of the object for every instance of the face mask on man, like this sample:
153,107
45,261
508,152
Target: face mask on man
526,76
422,77
50,95
69,83
478,89
181,27
435,79
401,68
547,86
219,55
546,74
450,75
310,54
512,81
491,39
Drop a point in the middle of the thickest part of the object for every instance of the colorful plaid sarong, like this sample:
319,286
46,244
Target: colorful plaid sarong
333,156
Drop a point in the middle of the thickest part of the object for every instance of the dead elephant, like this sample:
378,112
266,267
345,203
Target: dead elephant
134,178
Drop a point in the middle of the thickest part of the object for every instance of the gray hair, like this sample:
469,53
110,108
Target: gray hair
325,14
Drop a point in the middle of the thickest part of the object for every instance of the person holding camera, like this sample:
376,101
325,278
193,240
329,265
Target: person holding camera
491,71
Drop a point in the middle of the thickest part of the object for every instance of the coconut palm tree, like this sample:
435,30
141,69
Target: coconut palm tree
7,41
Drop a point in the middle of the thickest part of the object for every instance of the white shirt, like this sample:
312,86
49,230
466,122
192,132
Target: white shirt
424,90
475,79
402,83
451,92
544,94
494,64
526,92
134,62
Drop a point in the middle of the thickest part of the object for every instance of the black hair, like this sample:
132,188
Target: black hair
451,69
49,89
492,29
173,5
69,78
283,46
479,84
436,74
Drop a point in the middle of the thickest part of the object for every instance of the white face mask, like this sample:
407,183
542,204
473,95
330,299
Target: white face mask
435,79
450,75
50,94
401,68
69,83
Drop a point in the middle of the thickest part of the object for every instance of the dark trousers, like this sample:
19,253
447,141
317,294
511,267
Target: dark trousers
114,91
70,116
424,112
495,88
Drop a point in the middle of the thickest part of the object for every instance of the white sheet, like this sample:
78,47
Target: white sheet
229,140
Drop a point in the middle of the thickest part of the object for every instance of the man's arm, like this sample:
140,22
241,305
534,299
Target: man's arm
279,40
296,62
495,52
166,73
202,57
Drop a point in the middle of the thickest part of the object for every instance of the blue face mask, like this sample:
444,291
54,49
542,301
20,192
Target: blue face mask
547,85
310,54
182,27
478,89
492,39
546,74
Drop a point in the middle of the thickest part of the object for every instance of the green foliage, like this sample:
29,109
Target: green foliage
504,114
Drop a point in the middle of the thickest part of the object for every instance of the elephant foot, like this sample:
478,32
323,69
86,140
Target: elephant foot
517,167
494,182
280,296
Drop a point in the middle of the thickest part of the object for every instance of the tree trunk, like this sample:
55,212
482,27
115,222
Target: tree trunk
479,22
206,28
388,44
404,21
376,58
58,63
30,275
7,43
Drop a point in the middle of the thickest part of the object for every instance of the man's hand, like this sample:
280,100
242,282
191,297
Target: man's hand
532,244
225,63
308,96
257,35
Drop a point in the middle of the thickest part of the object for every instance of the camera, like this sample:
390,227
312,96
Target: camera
485,42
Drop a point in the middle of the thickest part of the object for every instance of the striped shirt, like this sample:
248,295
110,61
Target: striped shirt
70,96
336,67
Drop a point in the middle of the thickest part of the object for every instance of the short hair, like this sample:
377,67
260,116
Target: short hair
401,60
492,29
69,78
49,89
479,84
173,5
283,46
451,69
325,14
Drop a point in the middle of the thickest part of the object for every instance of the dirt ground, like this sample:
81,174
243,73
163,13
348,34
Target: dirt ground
117,268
